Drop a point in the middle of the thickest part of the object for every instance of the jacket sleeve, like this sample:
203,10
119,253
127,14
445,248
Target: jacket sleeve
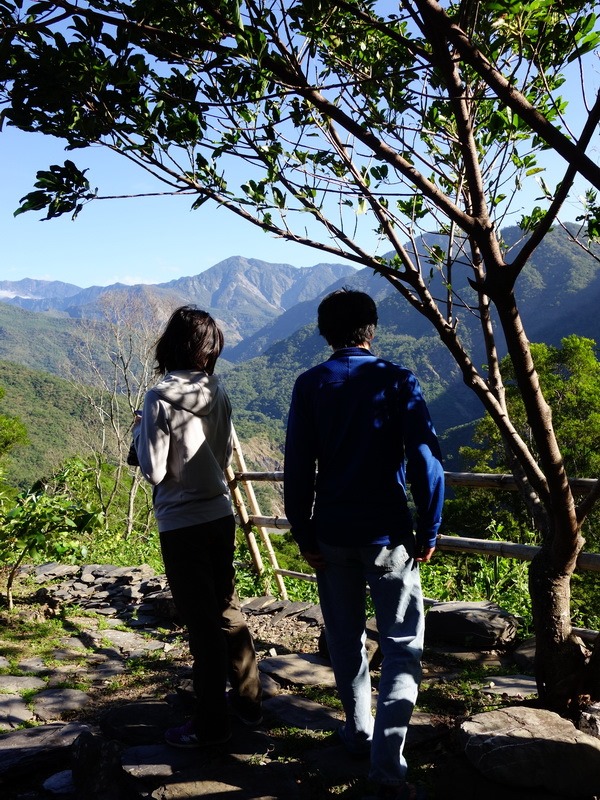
152,439
299,472
424,468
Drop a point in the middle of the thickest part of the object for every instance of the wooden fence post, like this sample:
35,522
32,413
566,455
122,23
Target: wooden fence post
247,524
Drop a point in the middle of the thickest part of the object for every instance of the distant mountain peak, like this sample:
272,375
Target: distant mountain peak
245,294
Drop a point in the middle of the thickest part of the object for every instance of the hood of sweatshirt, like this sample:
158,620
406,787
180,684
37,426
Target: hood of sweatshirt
195,392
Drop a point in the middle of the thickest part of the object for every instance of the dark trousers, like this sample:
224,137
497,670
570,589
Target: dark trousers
199,567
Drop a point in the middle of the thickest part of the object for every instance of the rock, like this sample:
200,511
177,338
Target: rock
61,783
532,749
298,712
17,683
290,609
97,771
13,711
132,644
475,624
511,685
139,723
303,668
35,748
52,703
312,615
254,604
524,655
333,761
147,762
53,570
272,781
589,721
423,730
484,658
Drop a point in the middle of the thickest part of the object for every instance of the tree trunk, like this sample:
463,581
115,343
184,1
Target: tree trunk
560,656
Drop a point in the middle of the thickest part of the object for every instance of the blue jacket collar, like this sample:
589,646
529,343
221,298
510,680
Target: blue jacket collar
343,352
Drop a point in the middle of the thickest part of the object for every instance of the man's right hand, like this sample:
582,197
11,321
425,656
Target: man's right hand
424,553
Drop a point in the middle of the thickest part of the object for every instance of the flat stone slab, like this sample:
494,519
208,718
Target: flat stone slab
524,655
103,671
256,604
534,749
511,685
301,713
34,748
422,729
270,687
61,783
13,711
264,781
299,668
138,723
488,658
20,683
131,643
67,673
52,571
291,609
73,643
33,665
53,703
313,615
159,761
68,654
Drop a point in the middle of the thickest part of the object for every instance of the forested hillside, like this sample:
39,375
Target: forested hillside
38,341
57,417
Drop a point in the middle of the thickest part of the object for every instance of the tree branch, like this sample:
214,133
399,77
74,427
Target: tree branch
561,195
511,96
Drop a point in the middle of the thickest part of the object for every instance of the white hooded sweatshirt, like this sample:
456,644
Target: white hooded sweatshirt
184,444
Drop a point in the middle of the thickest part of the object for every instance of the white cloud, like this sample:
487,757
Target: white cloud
7,293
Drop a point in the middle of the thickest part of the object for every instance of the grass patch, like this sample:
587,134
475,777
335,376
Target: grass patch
324,695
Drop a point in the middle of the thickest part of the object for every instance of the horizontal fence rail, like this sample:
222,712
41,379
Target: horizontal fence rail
458,544
474,480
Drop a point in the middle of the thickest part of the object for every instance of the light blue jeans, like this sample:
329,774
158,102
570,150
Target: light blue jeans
392,575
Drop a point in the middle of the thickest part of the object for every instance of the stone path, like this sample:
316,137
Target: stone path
122,755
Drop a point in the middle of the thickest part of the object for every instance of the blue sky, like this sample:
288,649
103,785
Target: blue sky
138,240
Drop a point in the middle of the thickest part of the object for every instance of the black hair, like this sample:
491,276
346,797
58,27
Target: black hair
190,340
347,318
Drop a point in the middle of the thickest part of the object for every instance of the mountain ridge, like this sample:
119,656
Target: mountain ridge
244,294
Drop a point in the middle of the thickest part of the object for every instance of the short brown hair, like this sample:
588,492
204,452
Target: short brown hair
191,340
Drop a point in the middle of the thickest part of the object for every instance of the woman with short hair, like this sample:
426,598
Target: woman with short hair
183,442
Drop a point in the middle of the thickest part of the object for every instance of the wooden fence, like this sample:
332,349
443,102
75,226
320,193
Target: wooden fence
250,517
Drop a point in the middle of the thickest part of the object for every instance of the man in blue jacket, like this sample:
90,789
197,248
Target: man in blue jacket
358,432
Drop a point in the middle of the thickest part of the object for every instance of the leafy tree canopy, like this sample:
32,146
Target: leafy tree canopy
570,376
